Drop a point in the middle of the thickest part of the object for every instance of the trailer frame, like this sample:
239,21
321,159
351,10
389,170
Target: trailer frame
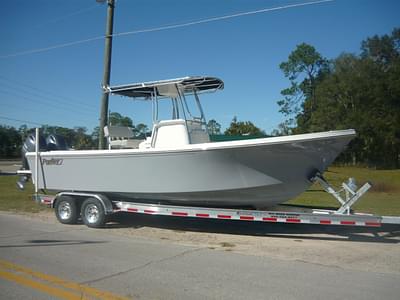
107,207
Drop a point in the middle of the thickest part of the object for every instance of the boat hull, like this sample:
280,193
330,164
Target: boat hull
257,173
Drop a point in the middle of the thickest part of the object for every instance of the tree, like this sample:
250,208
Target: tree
243,128
83,140
76,138
10,142
213,127
95,135
142,129
360,92
67,133
363,93
23,131
117,119
302,68
382,49
283,129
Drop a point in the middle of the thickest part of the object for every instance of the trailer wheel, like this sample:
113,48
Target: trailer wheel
66,210
92,213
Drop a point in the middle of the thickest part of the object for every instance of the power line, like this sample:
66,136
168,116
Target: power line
27,122
72,14
220,18
46,103
166,27
23,121
52,47
37,110
43,94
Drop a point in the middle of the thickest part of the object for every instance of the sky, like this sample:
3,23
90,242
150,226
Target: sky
61,86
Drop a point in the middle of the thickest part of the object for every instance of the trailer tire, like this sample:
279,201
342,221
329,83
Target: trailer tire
93,214
66,210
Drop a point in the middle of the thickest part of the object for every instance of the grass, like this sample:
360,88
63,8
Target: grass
12,199
382,199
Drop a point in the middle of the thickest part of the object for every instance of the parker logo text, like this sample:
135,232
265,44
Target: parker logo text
52,162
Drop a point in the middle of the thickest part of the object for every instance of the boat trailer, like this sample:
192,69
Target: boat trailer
95,208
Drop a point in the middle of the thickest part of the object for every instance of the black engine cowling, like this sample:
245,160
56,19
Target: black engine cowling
56,142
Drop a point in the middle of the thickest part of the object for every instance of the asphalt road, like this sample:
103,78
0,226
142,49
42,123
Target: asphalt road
41,259
9,167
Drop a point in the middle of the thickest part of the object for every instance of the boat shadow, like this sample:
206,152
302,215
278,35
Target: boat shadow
51,243
387,233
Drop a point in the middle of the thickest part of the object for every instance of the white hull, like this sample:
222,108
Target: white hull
258,173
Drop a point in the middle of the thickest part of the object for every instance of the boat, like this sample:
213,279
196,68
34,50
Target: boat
178,164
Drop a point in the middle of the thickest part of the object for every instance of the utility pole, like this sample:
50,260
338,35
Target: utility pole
107,70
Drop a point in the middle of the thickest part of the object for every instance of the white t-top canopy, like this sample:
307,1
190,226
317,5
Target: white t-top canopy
168,88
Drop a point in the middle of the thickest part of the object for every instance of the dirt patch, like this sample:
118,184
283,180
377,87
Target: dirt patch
226,244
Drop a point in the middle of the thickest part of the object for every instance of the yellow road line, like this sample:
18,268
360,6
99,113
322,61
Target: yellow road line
59,293
81,289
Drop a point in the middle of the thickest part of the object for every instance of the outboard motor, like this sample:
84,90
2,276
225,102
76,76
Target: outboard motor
29,146
56,142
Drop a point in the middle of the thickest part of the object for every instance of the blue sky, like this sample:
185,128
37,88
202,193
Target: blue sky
61,87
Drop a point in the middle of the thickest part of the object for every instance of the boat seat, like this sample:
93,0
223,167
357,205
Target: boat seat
120,137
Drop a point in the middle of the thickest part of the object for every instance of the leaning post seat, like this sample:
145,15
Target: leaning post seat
120,137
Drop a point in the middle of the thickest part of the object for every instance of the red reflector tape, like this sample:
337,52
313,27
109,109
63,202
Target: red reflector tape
203,215
132,209
293,220
178,213
223,217
347,222
325,222
372,224
270,219
246,218
148,211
